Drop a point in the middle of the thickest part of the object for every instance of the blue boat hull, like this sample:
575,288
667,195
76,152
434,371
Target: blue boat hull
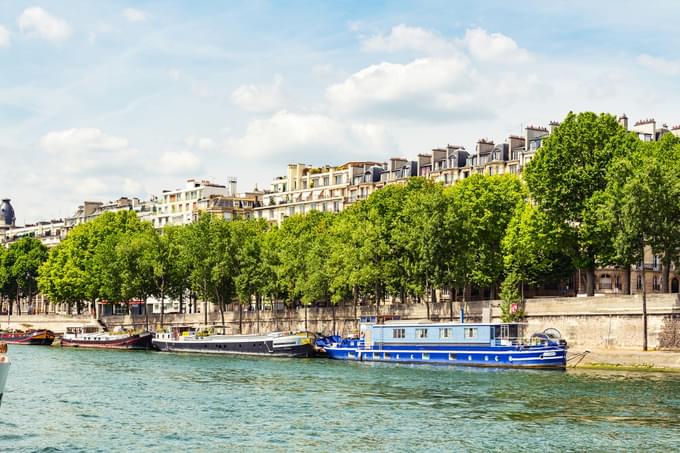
526,357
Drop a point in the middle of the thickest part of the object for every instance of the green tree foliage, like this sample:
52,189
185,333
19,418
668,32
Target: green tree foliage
19,266
480,210
569,168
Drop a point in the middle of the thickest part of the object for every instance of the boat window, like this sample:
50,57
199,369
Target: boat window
452,356
445,332
398,333
426,356
470,332
421,333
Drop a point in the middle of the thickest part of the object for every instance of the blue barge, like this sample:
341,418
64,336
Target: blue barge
469,344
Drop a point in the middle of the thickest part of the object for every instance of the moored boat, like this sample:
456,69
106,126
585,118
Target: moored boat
32,337
95,337
470,344
188,339
4,368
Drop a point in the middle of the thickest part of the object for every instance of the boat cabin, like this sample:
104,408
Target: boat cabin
82,330
397,333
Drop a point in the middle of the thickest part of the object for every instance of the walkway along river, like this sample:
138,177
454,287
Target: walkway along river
91,400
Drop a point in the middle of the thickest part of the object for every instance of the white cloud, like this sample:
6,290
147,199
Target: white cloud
178,163
423,85
493,47
201,143
405,38
80,150
310,136
81,139
134,15
659,65
259,98
35,21
4,37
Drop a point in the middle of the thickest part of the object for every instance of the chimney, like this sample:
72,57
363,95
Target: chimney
231,185
553,125
623,121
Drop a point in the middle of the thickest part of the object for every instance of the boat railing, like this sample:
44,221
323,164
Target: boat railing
509,341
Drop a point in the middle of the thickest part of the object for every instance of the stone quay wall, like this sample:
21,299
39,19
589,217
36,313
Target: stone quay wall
600,322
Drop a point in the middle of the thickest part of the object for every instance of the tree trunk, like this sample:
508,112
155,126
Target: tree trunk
220,303
626,280
492,292
427,307
590,281
451,296
146,312
306,318
18,302
240,318
258,302
162,306
333,312
666,274
644,305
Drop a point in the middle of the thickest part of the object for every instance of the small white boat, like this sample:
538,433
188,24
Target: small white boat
4,368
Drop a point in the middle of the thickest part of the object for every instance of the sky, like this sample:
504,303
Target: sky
100,100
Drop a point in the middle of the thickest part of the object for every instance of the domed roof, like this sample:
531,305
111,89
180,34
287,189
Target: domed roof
7,217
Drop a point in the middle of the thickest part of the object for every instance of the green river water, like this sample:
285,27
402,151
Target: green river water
75,400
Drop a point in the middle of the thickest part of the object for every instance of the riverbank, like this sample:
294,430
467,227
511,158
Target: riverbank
623,360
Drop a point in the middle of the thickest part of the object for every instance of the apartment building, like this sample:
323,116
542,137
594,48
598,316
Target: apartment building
177,207
241,206
90,210
49,232
306,188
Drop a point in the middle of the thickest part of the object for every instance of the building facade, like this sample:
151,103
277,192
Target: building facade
177,207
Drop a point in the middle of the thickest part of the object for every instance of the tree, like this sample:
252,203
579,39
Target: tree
421,232
532,252
478,215
83,266
570,167
208,248
252,273
21,262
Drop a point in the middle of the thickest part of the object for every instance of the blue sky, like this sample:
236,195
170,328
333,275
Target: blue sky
106,99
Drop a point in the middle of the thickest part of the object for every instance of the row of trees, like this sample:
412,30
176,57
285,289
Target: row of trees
594,195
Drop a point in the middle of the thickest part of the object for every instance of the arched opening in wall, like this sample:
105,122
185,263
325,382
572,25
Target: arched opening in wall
605,281
675,285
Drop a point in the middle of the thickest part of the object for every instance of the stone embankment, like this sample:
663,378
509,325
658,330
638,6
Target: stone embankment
609,327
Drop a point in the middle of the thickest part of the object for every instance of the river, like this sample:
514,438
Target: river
75,400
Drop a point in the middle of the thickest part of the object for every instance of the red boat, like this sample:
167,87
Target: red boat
34,337
94,337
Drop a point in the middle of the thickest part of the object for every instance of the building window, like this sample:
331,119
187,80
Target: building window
398,333
639,282
470,332
421,333
655,284
338,179
445,332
